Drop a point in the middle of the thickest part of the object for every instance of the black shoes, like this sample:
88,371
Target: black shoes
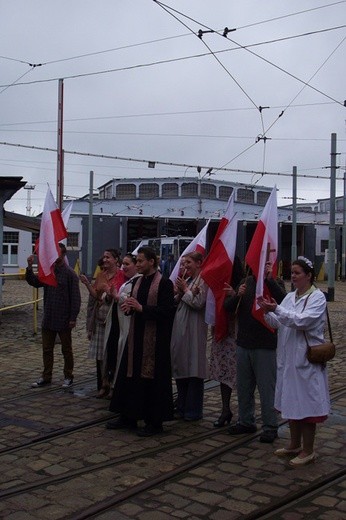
121,424
40,383
239,429
225,417
268,436
149,430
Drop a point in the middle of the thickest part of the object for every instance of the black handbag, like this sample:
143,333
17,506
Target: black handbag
320,354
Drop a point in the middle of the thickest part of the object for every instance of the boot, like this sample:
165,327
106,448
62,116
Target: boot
226,414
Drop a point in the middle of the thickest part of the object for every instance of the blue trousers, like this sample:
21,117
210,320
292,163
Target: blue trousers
190,398
256,367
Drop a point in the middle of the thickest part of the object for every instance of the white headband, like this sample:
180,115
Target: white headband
307,261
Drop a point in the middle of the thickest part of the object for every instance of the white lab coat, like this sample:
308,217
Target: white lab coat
301,387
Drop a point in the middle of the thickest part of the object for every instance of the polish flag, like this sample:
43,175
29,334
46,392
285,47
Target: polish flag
66,213
197,244
217,270
52,231
264,248
210,302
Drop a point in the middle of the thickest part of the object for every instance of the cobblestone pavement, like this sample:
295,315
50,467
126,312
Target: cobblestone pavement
63,475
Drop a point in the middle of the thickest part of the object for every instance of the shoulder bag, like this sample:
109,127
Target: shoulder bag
320,354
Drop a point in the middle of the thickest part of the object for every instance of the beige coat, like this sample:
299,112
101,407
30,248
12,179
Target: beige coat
189,335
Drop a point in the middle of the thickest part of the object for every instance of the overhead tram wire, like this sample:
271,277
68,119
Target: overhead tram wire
183,58
221,64
15,82
164,163
209,29
289,15
159,40
162,114
308,82
168,9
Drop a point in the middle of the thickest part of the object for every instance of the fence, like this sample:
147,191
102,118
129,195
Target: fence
34,302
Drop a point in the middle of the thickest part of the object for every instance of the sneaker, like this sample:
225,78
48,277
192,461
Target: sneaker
238,429
40,382
67,383
268,436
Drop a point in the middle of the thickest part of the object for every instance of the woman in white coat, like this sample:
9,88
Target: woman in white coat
189,340
301,393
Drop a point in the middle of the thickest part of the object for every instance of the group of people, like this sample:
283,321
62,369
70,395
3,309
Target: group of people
144,330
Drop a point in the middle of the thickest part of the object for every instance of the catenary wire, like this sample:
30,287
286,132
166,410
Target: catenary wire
160,40
183,58
162,114
165,163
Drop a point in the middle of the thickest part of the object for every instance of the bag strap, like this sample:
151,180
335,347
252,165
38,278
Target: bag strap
328,321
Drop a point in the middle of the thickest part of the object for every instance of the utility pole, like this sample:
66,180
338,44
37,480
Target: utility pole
331,241
90,224
60,151
294,252
343,255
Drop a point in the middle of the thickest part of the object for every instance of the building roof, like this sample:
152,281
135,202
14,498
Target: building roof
9,186
23,222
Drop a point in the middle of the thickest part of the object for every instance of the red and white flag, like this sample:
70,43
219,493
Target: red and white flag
66,212
264,248
217,270
197,244
52,231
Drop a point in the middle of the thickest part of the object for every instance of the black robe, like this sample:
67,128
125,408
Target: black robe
137,397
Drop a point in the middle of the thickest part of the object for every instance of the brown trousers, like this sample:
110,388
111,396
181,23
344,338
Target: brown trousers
48,342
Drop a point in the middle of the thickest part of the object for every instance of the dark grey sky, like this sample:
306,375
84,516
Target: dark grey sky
140,84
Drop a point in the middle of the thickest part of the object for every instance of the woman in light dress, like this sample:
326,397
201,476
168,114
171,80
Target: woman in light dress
223,362
301,393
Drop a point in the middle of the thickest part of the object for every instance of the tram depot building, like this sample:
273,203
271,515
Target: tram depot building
128,210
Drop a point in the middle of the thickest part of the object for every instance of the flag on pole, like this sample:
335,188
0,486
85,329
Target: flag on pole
197,244
52,231
217,270
210,310
66,213
264,248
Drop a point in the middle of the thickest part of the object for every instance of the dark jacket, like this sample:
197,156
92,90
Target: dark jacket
61,304
251,332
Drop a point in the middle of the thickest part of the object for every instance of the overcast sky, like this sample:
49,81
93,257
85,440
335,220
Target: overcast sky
140,84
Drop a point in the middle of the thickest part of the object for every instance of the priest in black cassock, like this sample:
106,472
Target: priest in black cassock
143,390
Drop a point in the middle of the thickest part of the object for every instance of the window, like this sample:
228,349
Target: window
169,190
189,189
148,190
10,248
245,195
208,191
225,192
339,204
262,197
109,192
324,245
73,240
126,191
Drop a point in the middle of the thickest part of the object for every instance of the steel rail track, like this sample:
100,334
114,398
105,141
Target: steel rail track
136,490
